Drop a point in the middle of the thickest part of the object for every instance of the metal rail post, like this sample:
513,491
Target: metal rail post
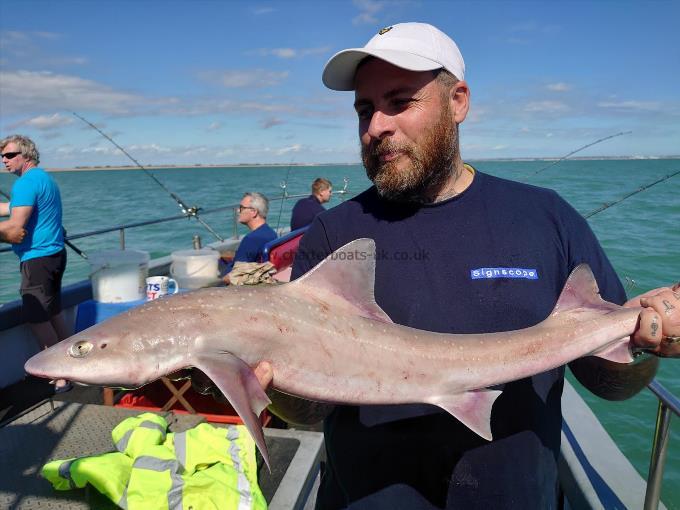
235,232
658,457
122,238
668,403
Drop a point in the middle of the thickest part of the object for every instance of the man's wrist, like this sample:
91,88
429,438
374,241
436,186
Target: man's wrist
615,381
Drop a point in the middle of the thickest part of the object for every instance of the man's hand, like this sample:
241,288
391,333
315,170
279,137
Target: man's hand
294,410
658,329
657,332
11,232
264,373
203,385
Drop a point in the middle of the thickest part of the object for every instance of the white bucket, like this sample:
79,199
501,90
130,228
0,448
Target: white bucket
194,269
118,275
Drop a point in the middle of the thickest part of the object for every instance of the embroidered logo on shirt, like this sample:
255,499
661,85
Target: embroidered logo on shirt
486,273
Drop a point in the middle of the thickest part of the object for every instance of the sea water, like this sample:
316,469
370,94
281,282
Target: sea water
641,236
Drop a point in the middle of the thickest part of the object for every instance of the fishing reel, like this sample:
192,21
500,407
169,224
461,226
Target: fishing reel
190,212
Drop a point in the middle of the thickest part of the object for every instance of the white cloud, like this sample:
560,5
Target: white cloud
225,152
256,78
284,52
28,49
286,150
545,107
45,122
14,39
558,87
32,91
631,106
367,11
264,107
152,148
97,149
259,11
288,53
214,126
271,122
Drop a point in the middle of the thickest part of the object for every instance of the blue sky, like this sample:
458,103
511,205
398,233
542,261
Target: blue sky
209,82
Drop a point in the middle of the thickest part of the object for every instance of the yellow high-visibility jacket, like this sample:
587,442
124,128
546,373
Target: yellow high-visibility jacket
203,468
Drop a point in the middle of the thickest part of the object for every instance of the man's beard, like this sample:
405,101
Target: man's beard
432,164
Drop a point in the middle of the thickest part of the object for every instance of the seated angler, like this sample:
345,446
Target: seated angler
252,212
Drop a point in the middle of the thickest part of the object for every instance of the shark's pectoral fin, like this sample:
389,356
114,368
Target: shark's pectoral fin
472,409
237,381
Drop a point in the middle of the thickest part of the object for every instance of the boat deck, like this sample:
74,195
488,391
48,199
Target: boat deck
59,430
20,396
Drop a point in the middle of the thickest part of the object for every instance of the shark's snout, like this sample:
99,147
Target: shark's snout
60,361
38,365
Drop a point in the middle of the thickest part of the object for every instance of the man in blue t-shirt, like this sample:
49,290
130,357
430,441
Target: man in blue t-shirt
252,212
306,209
35,209
458,251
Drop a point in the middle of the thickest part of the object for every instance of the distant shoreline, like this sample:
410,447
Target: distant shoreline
302,165
191,167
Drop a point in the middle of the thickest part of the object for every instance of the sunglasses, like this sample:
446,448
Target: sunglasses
10,155
241,208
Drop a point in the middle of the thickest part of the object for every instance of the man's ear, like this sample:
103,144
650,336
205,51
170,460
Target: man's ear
459,98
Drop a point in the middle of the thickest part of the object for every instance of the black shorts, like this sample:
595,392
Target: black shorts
41,287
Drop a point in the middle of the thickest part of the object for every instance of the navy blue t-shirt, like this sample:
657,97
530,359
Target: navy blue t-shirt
251,246
304,212
430,274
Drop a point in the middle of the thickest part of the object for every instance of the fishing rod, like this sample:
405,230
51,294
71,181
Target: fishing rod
343,191
189,212
284,194
630,283
66,241
580,149
607,205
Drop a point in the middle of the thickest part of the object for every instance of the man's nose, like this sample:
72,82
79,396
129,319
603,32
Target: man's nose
381,125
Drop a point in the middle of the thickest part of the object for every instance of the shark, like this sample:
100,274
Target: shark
328,340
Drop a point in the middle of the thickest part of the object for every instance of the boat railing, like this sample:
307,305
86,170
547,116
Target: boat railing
668,403
122,228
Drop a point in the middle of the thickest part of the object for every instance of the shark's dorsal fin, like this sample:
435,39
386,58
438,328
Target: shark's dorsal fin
582,295
348,272
581,291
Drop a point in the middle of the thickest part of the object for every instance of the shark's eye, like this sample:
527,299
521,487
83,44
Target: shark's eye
80,349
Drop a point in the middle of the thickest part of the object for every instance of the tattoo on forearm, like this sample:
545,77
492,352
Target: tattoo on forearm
668,307
655,326
615,381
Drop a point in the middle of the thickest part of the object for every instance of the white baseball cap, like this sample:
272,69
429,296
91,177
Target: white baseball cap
412,46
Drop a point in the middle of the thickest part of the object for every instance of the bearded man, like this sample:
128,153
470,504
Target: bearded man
437,222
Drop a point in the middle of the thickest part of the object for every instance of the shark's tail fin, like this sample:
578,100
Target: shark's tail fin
581,293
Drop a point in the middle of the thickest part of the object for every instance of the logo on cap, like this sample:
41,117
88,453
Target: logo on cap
383,31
